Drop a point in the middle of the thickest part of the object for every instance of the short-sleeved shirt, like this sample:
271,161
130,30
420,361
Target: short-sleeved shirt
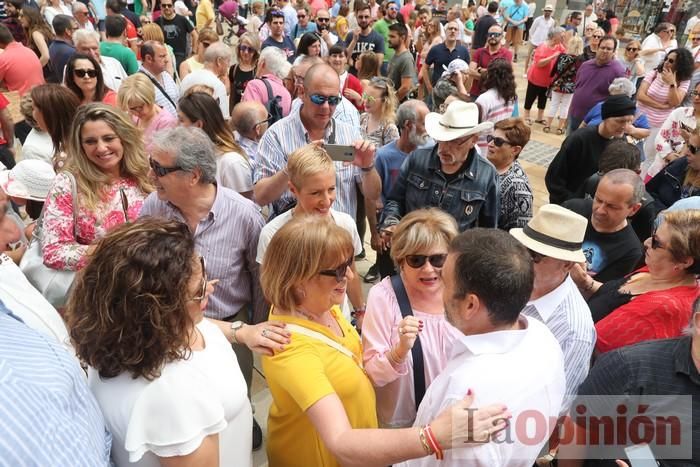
175,31
382,27
59,53
482,57
300,30
372,42
307,371
517,13
592,82
440,56
20,69
125,55
402,66
286,46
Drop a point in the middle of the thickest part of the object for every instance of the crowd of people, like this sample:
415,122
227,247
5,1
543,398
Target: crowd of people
187,184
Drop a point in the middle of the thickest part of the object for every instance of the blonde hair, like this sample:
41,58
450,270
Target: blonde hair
136,89
203,88
307,161
152,32
369,62
421,230
684,231
208,35
92,182
296,254
389,101
253,41
575,46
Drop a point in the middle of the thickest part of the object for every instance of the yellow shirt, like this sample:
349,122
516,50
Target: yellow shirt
306,371
204,14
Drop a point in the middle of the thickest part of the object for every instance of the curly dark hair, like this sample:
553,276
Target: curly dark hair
499,75
128,308
683,66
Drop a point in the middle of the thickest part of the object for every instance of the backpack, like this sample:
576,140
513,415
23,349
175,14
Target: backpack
274,109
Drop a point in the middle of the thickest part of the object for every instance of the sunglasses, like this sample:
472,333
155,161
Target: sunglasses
320,100
536,257
597,36
83,72
417,261
245,48
379,81
670,61
161,171
656,244
203,291
494,34
497,141
368,98
632,49
692,149
392,8
322,20
340,272
301,16
165,5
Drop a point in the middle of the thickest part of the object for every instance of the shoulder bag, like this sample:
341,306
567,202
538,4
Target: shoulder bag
159,87
325,339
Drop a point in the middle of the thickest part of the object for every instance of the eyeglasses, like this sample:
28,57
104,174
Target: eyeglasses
161,171
83,72
632,49
536,257
245,48
340,272
267,120
670,31
417,261
497,141
495,34
695,93
392,8
692,149
318,99
203,291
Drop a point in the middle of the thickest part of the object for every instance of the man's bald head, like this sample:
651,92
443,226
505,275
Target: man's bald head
247,115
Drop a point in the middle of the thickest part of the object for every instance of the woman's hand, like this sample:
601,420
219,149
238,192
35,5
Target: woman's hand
264,338
460,424
670,157
668,76
409,328
352,95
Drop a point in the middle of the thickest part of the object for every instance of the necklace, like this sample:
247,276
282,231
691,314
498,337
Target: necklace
312,318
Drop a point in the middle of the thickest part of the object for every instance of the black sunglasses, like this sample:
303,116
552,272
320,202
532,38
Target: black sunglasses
597,36
494,34
417,261
632,49
692,149
340,272
322,20
161,171
497,140
83,72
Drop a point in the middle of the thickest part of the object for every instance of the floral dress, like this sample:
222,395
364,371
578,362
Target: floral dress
60,248
564,72
382,136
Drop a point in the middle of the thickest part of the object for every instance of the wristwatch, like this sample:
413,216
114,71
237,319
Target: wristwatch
235,326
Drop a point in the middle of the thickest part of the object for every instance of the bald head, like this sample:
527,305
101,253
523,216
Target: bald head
247,116
319,72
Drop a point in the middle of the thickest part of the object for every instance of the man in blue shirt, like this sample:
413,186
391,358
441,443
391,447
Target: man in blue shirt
442,54
515,17
61,48
305,24
278,38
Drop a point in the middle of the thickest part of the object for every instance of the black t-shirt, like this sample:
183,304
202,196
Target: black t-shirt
239,79
608,298
175,31
372,42
608,255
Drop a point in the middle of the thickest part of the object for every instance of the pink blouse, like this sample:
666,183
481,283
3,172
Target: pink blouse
60,248
658,91
396,406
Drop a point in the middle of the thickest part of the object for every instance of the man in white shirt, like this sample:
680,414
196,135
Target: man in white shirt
589,17
82,15
689,28
88,42
554,238
217,60
504,357
538,32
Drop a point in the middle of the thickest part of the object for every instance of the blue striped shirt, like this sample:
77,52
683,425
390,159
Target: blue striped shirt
288,135
48,416
566,314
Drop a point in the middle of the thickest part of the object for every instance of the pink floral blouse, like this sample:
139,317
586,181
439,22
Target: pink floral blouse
61,250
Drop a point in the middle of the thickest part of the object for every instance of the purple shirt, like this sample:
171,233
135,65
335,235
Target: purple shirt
592,81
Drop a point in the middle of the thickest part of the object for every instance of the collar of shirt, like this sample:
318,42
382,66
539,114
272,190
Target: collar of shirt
683,360
271,77
214,211
546,304
468,169
496,342
296,118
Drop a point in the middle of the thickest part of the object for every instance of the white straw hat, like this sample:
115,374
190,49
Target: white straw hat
459,120
29,179
555,232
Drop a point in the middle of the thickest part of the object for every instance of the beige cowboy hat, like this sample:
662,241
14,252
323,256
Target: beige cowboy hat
460,119
29,179
555,232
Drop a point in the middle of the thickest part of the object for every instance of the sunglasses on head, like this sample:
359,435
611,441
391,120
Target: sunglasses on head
83,72
159,170
417,261
318,99
340,272
277,14
497,140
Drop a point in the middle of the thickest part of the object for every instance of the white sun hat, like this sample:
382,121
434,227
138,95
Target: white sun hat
460,119
29,179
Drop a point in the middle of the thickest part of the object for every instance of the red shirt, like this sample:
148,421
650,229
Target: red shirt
20,68
351,82
660,314
482,58
3,105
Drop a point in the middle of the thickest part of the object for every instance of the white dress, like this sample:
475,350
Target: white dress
234,171
171,415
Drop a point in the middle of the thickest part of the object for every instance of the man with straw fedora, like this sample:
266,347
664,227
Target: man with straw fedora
450,175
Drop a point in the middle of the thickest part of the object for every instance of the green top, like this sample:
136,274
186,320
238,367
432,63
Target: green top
382,27
125,55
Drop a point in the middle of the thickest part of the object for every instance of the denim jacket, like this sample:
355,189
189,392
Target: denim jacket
472,198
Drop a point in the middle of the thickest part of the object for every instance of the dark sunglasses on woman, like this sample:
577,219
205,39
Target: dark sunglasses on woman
417,261
340,272
82,73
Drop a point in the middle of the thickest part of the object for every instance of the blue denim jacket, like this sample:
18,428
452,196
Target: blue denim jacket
472,198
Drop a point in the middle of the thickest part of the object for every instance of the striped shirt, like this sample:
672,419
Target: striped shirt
288,135
493,109
48,415
344,112
227,238
658,91
566,314
168,84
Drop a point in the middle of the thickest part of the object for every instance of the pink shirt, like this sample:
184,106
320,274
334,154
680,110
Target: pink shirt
20,68
396,406
162,119
658,91
255,90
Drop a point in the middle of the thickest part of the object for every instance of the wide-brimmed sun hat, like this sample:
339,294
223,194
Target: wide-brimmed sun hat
555,232
460,119
29,179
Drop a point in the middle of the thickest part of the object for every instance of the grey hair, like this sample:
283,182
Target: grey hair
215,51
406,113
690,329
82,35
274,60
284,70
627,177
78,6
554,31
442,89
622,86
192,149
